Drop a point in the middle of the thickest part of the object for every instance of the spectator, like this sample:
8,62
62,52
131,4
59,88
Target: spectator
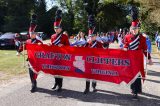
17,41
148,42
158,42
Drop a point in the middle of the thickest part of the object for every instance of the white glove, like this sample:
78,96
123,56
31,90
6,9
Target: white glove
125,49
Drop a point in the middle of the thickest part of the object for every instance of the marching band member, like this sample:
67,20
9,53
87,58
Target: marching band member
136,41
92,43
66,33
33,75
59,39
32,40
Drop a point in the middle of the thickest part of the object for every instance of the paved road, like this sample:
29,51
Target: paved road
16,92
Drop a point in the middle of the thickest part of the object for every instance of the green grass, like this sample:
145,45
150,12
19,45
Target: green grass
154,50
10,64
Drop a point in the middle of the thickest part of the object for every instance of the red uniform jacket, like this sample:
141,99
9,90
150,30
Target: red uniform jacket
141,46
59,39
29,41
96,43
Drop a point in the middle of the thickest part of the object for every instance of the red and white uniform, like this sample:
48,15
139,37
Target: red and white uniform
94,44
132,42
29,41
57,39
60,39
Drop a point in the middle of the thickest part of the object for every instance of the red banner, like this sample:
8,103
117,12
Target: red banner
109,65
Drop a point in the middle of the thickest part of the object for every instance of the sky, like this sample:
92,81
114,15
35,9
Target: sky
50,4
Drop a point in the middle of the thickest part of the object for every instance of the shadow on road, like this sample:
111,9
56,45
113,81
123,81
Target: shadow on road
157,63
105,97
155,58
153,73
155,81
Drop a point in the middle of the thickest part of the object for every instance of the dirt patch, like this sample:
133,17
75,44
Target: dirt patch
3,76
7,79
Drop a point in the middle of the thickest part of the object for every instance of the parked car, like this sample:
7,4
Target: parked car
25,35
7,40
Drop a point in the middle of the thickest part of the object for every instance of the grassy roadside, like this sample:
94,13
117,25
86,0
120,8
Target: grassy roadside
154,49
10,64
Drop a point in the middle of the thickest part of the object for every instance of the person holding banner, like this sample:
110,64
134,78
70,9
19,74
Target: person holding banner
32,40
92,43
136,41
59,39
33,75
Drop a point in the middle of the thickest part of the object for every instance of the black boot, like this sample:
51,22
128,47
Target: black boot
56,83
94,86
136,86
34,86
60,81
54,87
135,97
87,87
33,81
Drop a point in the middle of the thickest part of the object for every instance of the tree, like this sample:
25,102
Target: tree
109,14
68,18
3,9
149,15
74,16
15,19
112,15
42,19
50,18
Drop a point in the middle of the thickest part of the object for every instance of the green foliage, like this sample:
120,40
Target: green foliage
80,22
109,14
3,9
42,19
50,16
149,15
17,15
